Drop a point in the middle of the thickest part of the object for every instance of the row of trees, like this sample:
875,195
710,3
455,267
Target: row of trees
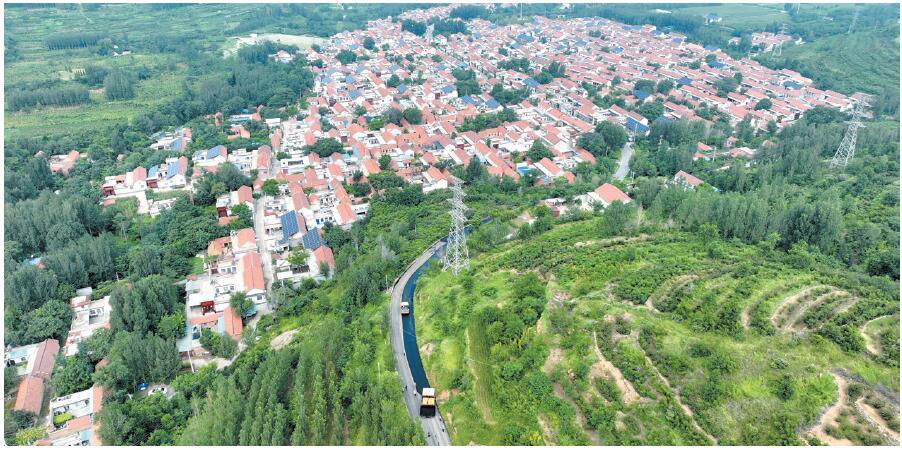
71,40
19,99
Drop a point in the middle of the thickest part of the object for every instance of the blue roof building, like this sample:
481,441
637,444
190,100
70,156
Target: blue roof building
402,88
640,94
530,82
153,172
684,80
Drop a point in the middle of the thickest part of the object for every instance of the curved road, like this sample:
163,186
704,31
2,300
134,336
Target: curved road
433,427
623,169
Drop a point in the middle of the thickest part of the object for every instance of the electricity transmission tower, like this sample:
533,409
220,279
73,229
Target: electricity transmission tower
456,255
779,50
846,149
854,21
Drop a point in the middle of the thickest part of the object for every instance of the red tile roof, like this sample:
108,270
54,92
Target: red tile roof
252,271
233,325
610,193
45,358
30,395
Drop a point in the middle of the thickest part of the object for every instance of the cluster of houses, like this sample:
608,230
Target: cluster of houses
68,419
606,56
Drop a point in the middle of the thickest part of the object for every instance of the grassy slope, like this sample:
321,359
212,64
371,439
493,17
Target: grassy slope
865,61
584,272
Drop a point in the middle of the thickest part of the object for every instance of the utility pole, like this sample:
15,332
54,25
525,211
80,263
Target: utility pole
846,150
854,21
456,255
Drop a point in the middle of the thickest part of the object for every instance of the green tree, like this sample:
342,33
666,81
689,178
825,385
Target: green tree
145,260
537,151
413,115
617,218
384,161
139,307
298,257
346,57
118,86
764,103
270,187
71,374
172,326
369,43
241,304
665,86
393,115
135,359
325,147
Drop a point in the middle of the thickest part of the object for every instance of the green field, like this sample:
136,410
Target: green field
741,15
730,356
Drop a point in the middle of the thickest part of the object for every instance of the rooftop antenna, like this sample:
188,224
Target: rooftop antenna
854,21
846,149
456,255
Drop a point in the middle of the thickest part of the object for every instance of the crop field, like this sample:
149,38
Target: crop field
657,339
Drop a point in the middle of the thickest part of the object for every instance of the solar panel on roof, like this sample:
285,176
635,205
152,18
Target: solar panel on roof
311,240
290,226
172,169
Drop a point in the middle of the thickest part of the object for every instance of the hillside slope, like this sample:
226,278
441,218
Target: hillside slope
658,339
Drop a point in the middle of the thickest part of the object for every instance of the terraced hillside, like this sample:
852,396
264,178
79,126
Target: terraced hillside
661,338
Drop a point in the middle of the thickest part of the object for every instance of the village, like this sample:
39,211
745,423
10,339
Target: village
316,180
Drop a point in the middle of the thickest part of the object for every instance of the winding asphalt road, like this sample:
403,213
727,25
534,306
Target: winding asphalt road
623,168
433,427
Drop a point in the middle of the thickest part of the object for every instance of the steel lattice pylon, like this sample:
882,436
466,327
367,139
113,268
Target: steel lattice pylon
846,149
456,255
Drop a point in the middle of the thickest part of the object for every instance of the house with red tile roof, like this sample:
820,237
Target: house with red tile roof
604,195
686,180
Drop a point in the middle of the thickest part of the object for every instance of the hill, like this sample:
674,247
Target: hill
658,338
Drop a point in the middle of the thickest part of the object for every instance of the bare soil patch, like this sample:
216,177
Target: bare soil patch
282,339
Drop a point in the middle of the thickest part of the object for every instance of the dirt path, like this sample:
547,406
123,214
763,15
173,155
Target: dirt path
830,415
790,301
554,357
676,396
869,341
871,415
605,368
547,432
